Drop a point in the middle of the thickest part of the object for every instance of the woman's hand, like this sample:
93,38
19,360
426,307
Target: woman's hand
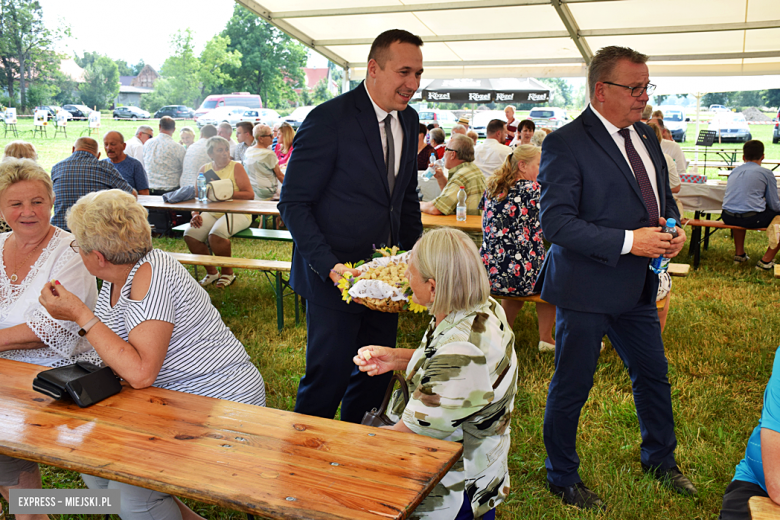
375,360
197,220
62,304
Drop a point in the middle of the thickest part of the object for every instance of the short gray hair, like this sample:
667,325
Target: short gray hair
458,129
144,128
225,126
463,146
538,137
450,257
437,135
112,222
215,141
604,63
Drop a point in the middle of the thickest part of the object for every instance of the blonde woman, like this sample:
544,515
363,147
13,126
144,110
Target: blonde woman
34,253
19,150
284,146
462,378
186,136
512,245
152,324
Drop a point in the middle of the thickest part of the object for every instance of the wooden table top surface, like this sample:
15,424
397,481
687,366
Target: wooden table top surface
473,223
251,207
267,462
762,508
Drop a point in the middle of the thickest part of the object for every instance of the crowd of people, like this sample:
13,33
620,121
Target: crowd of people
349,187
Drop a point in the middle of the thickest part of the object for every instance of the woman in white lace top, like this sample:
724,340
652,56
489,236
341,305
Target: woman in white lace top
35,252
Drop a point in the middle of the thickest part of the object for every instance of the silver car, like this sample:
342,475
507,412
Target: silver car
548,117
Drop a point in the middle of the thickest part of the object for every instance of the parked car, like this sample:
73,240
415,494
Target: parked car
51,109
219,115
549,117
236,99
718,108
676,122
444,118
482,118
175,111
77,111
250,115
730,127
298,115
269,117
130,112
776,133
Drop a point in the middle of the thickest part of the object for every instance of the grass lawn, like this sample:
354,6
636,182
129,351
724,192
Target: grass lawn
721,336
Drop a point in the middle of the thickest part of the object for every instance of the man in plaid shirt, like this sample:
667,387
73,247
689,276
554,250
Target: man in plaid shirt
82,173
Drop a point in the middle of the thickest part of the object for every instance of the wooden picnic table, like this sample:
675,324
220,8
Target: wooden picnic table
272,463
762,508
250,207
473,223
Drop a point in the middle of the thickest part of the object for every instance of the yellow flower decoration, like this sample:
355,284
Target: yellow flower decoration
416,307
345,284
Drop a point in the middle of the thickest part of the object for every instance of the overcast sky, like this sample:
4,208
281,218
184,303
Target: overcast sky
134,30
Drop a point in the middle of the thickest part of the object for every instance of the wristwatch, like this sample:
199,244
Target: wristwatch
91,323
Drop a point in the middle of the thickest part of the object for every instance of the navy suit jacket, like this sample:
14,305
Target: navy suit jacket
589,198
335,199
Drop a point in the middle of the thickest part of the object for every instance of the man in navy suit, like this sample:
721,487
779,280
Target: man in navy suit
351,186
605,197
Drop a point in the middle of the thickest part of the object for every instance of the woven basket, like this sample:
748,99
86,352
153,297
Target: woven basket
386,305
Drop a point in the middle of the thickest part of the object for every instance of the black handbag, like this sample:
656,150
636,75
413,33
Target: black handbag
83,382
378,417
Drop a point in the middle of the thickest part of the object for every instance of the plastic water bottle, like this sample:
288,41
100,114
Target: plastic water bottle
428,175
201,188
460,209
661,264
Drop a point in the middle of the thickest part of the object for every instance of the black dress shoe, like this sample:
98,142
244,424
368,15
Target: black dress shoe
578,495
673,479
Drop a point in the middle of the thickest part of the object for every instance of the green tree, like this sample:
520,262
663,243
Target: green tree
747,98
25,45
102,83
659,99
771,97
138,67
715,98
88,59
271,61
181,70
159,97
214,60
124,68
560,91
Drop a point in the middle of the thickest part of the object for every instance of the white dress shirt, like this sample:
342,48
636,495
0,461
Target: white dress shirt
673,149
628,241
135,149
490,155
395,126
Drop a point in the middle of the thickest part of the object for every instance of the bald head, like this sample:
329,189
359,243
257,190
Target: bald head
86,144
114,145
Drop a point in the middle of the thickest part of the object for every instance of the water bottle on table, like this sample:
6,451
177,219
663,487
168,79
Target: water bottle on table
460,209
661,264
201,195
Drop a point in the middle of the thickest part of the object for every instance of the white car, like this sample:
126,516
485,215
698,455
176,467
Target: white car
675,121
482,118
269,117
250,115
548,117
730,127
220,115
298,115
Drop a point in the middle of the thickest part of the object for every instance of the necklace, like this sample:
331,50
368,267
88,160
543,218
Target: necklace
13,276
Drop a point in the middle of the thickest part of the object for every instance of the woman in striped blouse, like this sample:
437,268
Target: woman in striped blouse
153,325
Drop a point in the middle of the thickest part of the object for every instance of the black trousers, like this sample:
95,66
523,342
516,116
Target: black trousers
735,500
757,221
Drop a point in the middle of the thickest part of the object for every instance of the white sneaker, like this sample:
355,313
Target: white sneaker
209,279
546,347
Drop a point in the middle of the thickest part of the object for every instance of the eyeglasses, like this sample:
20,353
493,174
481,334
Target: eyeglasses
449,149
75,247
635,91
264,135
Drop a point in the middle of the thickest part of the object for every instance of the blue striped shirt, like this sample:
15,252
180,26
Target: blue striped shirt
79,174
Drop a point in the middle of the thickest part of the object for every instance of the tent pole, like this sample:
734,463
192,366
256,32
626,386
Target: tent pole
345,81
698,112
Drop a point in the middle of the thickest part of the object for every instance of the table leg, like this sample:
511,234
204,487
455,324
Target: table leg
250,517
279,302
707,234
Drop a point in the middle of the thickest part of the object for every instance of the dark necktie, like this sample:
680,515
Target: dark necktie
390,159
641,177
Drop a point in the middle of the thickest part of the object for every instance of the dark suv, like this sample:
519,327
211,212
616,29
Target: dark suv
175,111
77,111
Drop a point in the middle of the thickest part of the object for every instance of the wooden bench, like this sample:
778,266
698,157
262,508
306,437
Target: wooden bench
265,266
696,236
763,508
253,233
271,463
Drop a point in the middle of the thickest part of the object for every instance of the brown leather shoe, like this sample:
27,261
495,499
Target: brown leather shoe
673,479
578,495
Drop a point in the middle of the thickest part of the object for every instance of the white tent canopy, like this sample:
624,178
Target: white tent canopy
541,38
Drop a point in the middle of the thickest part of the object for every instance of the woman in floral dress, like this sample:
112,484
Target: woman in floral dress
512,246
